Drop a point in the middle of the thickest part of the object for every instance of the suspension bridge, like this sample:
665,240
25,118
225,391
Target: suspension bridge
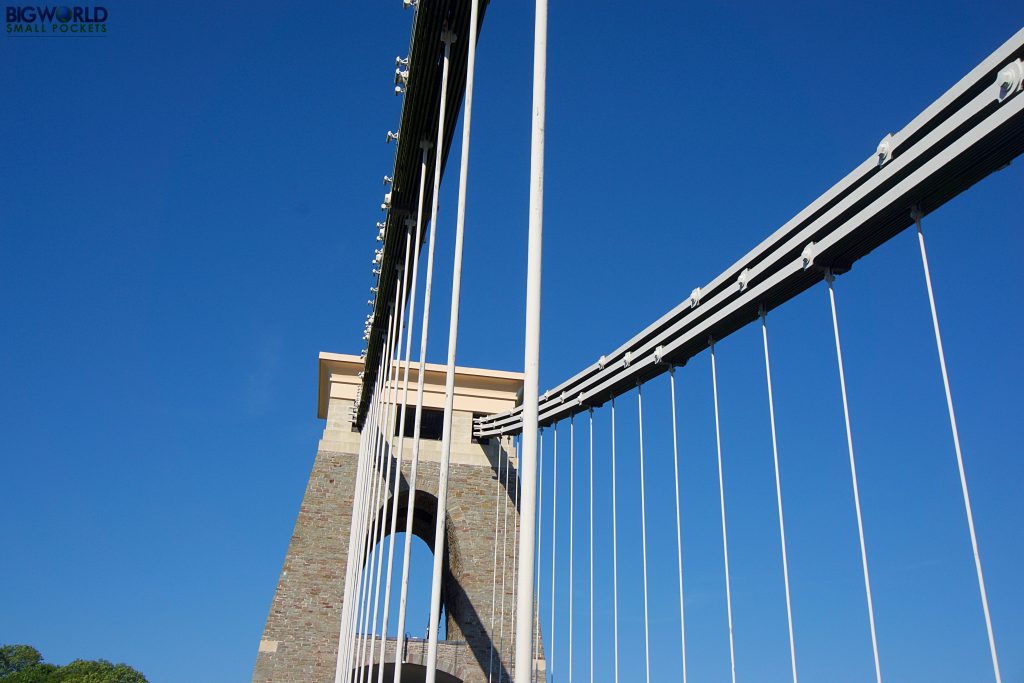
455,455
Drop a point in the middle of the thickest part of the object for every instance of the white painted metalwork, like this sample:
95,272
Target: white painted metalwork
376,522
943,151
377,535
372,499
590,528
363,524
958,139
531,359
376,529
421,373
352,603
425,147
376,452
679,526
494,571
371,527
615,555
540,529
643,532
554,547
721,498
853,475
358,567
778,495
371,518
515,550
343,632
956,444
453,337
504,567
390,433
349,606
572,524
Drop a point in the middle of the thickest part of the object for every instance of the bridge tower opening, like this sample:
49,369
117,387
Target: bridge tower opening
420,569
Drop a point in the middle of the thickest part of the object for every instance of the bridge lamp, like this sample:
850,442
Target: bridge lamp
1010,79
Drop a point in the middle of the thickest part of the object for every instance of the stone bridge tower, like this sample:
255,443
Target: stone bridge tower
300,639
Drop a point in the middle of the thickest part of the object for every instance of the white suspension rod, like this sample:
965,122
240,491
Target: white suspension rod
721,497
350,591
615,554
540,529
354,577
358,527
373,579
389,433
372,524
453,338
590,528
363,525
572,515
376,520
778,495
853,475
554,537
531,355
643,534
959,453
424,328
359,524
515,550
494,568
405,404
348,602
504,566
679,526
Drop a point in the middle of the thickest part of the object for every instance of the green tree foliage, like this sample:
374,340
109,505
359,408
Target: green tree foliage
24,664
15,658
37,673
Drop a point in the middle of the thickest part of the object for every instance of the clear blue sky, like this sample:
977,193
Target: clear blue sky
188,218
